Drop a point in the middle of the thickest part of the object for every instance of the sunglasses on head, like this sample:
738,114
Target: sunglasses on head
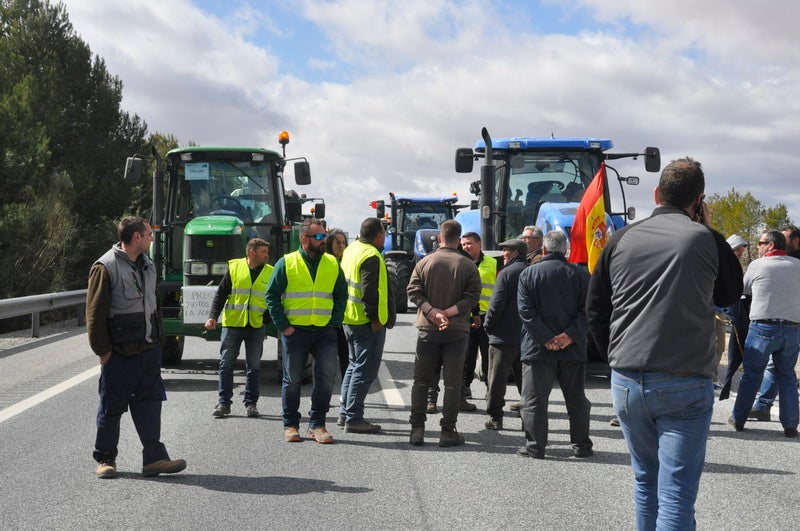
319,236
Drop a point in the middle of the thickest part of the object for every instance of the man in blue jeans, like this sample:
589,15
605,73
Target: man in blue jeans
773,280
651,309
306,296
369,311
769,385
241,299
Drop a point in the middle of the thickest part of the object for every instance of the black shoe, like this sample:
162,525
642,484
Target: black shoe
221,410
494,424
523,452
514,406
252,411
737,427
614,422
341,421
362,427
467,406
431,408
417,437
450,438
790,432
759,414
583,452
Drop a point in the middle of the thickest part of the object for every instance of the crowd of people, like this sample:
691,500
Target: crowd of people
653,306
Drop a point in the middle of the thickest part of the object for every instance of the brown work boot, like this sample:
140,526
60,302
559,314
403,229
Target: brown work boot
321,435
165,466
417,435
106,469
291,434
450,438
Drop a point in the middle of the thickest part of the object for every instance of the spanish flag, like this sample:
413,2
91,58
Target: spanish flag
589,233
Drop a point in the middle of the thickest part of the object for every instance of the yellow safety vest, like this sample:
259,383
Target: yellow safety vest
307,302
488,271
354,256
247,301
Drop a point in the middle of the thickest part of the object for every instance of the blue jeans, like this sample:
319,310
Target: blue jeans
366,351
665,420
232,339
779,341
322,344
768,390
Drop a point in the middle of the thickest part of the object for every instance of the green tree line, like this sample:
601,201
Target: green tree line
64,139
735,213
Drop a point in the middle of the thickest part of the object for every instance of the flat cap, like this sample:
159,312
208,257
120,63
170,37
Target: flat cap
515,244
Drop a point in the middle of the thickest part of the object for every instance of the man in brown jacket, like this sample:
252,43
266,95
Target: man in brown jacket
444,286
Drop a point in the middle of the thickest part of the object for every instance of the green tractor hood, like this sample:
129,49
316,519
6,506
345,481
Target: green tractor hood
214,226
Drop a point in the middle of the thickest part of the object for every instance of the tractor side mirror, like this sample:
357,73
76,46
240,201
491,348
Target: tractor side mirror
652,159
319,210
464,160
302,172
133,169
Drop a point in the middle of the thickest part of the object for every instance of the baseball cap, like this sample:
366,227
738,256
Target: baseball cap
736,241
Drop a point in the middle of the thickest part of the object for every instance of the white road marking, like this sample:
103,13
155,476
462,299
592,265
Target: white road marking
28,403
390,392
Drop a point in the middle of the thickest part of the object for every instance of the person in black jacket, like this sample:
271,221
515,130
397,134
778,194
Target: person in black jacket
552,303
651,308
504,328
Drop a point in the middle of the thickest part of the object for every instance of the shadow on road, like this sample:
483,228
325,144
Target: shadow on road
274,485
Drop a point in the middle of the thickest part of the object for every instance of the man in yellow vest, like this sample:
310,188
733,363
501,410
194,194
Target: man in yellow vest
241,298
306,296
478,339
369,312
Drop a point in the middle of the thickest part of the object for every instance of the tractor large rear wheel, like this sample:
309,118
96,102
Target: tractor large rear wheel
172,350
399,272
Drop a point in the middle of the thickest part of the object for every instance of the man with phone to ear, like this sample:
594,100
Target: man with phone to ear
664,275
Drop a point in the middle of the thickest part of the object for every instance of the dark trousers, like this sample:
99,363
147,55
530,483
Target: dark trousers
538,378
503,360
478,342
135,382
449,347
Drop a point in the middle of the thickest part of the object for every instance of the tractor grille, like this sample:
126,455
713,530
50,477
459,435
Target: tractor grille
212,248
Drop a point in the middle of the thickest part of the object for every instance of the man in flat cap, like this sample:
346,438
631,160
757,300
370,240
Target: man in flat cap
504,328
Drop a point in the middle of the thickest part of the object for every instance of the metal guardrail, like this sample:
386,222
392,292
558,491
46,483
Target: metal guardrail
35,304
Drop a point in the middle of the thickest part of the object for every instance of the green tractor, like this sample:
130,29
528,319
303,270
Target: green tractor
207,203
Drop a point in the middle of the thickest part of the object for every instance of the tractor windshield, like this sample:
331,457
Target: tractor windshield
229,188
541,177
416,216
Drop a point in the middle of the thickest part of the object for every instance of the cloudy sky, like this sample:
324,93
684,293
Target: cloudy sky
378,94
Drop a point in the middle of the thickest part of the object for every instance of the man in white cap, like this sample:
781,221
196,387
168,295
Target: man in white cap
738,317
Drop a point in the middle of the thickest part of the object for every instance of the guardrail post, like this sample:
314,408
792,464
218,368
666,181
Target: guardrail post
82,315
35,324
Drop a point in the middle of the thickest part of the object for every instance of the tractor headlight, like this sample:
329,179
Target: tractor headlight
219,268
198,268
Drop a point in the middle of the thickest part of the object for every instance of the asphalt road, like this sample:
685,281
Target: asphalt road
242,475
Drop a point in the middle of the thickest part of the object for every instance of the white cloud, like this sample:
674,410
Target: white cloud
712,80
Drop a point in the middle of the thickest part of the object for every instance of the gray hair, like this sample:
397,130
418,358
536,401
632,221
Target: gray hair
555,242
537,232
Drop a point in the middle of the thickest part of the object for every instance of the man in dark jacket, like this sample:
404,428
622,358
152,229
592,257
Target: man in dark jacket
651,308
124,328
504,328
552,302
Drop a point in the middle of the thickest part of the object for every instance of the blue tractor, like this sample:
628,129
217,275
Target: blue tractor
413,227
540,181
